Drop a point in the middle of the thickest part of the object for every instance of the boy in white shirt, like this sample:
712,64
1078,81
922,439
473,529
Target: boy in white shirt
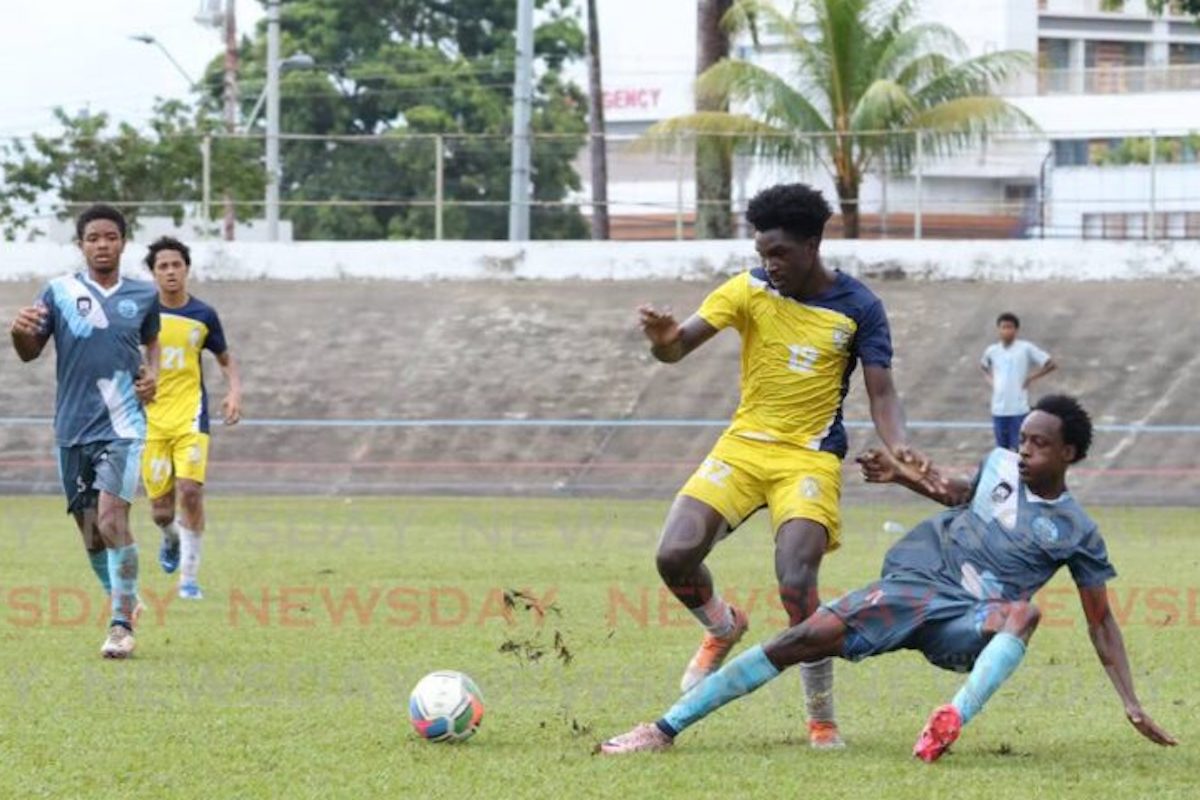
1011,365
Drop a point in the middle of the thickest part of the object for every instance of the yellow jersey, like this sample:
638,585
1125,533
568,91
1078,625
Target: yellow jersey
181,404
798,356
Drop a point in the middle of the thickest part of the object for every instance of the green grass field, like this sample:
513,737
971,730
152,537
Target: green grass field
291,678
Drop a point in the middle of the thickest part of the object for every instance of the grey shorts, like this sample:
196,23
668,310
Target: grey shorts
908,612
88,469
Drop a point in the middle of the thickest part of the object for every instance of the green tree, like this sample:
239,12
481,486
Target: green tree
405,70
153,171
862,67
1159,6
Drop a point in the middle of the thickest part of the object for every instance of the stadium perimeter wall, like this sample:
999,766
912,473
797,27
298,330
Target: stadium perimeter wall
343,379
981,260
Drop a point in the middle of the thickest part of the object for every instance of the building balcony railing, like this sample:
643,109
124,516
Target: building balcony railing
1120,80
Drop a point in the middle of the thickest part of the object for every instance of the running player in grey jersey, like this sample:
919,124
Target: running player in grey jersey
99,322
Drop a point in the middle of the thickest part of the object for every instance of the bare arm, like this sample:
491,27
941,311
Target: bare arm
880,466
1110,647
146,385
888,415
231,407
670,341
28,339
1043,370
987,375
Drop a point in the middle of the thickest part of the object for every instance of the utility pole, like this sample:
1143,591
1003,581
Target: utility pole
599,144
272,194
231,102
518,202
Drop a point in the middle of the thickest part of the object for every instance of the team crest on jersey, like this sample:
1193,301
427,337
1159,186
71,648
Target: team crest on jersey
194,337
127,308
1046,530
83,305
841,337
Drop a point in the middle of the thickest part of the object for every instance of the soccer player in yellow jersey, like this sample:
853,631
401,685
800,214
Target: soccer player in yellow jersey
176,455
803,328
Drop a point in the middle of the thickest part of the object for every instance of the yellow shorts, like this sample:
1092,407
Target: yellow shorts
164,460
741,476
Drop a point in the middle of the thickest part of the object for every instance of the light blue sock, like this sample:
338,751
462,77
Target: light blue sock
123,573
741,676
997,661
99,561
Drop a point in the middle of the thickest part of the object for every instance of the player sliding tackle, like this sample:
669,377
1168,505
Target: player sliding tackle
957,588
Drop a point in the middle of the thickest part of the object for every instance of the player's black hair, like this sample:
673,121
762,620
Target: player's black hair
796,208
99,211
1076,424
1008,316
167,243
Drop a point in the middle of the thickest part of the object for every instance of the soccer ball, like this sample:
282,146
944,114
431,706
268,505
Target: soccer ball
445,706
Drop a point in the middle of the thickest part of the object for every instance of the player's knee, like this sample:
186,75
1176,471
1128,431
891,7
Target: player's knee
162,514
1031,615
191,496
798,592
676,561
1021,618
111,526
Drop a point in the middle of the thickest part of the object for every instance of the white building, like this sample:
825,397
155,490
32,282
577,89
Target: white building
1108,83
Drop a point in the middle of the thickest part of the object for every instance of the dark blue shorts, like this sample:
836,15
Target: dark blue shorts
1008,431
88,469
909,612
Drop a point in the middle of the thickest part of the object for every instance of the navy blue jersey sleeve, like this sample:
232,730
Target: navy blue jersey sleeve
1089,562
152,323
215,341
873,339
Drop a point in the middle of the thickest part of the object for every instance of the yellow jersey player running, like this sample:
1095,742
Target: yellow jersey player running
803,328
176,455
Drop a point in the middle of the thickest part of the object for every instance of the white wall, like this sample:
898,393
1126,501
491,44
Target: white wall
1065,116
1015,260
1075,191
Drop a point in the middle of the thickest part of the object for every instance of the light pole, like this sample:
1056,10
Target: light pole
272,198
146,38
293,62
518,200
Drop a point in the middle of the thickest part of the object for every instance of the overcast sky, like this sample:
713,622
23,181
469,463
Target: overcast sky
77,53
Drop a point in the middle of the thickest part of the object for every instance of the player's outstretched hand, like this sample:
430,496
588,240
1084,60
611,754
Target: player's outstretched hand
911,457
877,466
30,320
231,408
146,385
1149,728
660,327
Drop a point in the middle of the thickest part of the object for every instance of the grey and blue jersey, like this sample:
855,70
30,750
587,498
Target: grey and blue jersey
1007,543
940,581
96,334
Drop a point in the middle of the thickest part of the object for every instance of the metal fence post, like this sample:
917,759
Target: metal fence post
917,187
678,186
439,185
1152,217
883,189
205,181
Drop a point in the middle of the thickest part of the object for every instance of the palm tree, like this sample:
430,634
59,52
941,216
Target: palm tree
863,68
714,160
